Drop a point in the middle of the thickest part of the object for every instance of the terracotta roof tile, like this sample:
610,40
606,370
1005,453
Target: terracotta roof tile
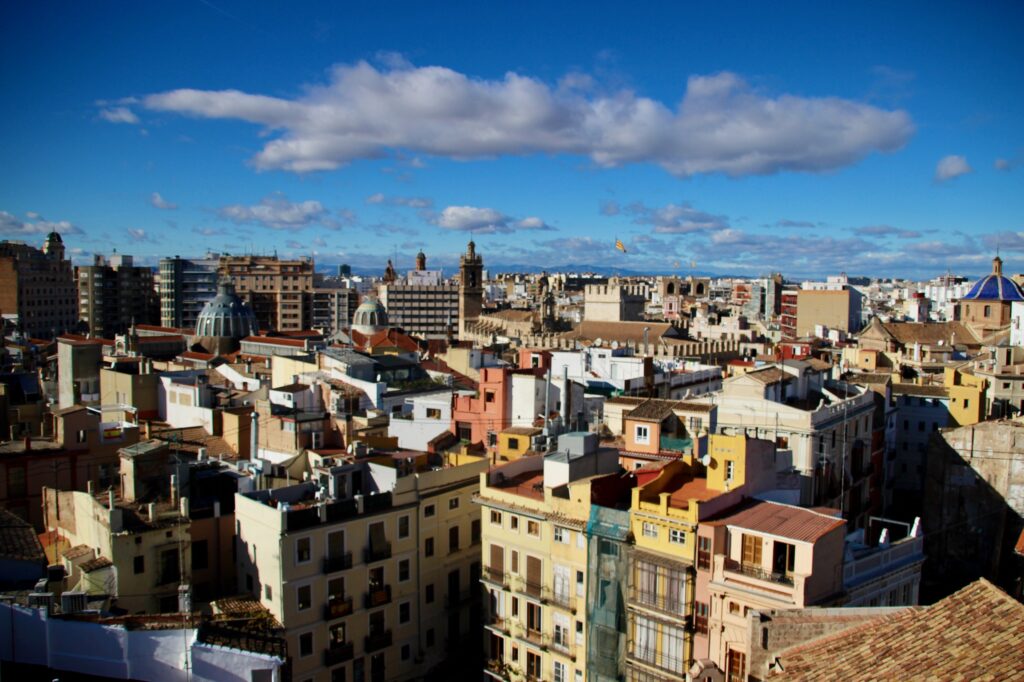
783,520
976,633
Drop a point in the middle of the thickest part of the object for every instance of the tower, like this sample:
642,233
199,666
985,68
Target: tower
471,290
421,261
54,246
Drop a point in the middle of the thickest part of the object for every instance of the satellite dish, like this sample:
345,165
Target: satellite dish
599,342
615,345
705,460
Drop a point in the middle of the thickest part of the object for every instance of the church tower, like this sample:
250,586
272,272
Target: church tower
471,287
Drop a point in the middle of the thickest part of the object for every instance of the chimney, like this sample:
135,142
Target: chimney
110,500
174,489
151,510
145,429
183,507
254,436
90,488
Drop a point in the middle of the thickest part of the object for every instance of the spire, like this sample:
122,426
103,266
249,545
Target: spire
997,266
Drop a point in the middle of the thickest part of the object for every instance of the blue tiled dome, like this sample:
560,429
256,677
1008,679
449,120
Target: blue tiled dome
995,287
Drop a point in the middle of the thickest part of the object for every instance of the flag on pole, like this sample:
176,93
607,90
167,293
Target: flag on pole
620,246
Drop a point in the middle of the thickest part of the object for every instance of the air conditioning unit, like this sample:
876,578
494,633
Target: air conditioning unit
73,602
39,600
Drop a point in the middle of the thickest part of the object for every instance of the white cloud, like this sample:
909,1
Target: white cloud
11,225
952,166
278,213
138,235
158,201
485,220
676,218
411,202
119,115
721,125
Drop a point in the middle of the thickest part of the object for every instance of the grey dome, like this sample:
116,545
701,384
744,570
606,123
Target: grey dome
226,315
370,317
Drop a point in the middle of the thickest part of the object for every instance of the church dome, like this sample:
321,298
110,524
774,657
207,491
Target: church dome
370,317
995,287
226,315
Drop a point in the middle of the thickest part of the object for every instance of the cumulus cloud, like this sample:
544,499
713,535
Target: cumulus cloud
887,231
119,115
721,124
157,201
11,225
952,166
679,218
1004,241
411,202
485,220
209,231
278,213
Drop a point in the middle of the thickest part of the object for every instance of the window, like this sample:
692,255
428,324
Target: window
405,652
513,522
735,666
650,530
336,588
534,616
268,594
404,612
306,644
561,535
579,583
403,527
513,443
751,550
700,617
80,436
433,413
704,553
474,532
783,558
677,536
453,503
430,637
967,403
515,561
559,672
453,539
730,469
428,511
533,528
642,435
428,596
140,565
515,607
428,547
496,518
734,608
532,665
489,396
304,597
303,551
403,570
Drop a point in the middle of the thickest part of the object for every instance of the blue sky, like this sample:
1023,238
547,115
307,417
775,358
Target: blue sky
742,137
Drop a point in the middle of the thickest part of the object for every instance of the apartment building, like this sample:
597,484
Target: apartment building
371,566
535,551
278,291
422,303
185,287
667,622
761,556
39,287
114,294
332,305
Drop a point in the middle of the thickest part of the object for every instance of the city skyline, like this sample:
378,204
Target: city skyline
873,145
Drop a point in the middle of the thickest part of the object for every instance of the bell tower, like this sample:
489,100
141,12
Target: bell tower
471,287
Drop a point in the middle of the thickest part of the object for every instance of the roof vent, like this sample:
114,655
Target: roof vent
40,600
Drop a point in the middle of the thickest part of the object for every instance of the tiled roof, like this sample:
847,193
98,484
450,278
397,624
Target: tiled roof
18,541
783,520
522,431
275,341
96,564
866,378
921,390
291,388
976,633
77,551
623,331
652,411
768,375
928,333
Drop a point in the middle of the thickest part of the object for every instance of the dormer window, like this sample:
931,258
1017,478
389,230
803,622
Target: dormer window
642,435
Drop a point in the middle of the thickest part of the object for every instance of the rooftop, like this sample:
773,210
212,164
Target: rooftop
783,520
976,633
18,541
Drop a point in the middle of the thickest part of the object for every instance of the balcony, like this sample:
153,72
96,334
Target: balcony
502,623
637,654
380,553
670,604
339,607
495,576
338,652
338,563
376,641
757,572
563,644
375,598
562,600
534,637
